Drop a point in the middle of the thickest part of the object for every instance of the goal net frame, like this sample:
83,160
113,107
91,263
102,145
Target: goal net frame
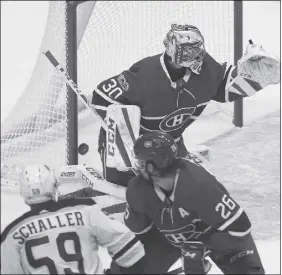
238,47
72,59
74,30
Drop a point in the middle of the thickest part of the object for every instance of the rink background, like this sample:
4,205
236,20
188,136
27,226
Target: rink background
252,172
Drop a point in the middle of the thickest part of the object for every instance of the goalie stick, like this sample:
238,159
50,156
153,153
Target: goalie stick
90,106
194,157
86,176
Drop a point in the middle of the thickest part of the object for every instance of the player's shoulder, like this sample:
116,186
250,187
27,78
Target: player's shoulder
145,70
193,175
46,207
149,62
137,189
210,60
136,184
192,169
15,223
212,64
138,72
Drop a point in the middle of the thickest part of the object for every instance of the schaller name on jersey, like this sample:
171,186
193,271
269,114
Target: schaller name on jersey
48,223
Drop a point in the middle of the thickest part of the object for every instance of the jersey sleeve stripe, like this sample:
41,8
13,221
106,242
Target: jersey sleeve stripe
145,230
231,220
132,255
106,97
125,248
153,117
103,108
202,104
240,234
124,256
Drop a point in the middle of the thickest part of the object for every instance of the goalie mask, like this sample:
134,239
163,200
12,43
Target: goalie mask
186,46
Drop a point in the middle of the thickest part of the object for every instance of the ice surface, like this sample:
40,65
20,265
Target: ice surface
269,253
247,161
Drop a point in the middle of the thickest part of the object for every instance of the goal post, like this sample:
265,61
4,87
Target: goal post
238,48
95,40
238,52
71,57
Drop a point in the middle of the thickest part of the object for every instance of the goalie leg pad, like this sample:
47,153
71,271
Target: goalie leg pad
123,122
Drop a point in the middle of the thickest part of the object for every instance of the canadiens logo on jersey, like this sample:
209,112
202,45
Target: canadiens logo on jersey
178,225
177,236
176,119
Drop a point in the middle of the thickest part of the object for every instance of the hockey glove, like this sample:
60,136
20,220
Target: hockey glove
259,66
193,258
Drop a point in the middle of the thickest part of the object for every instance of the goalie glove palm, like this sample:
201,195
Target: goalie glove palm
259,66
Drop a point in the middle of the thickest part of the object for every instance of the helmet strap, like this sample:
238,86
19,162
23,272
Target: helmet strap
154,171
151,169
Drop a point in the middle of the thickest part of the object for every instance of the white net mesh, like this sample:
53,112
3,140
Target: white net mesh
118,34
39,117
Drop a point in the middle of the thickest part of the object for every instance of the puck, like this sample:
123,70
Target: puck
83,148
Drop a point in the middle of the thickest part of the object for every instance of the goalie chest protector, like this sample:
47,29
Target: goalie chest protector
165,105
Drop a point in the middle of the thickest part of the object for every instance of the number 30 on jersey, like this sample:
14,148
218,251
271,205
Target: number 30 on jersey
111,89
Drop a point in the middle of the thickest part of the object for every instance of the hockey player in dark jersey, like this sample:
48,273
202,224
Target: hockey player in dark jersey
177,208
172,89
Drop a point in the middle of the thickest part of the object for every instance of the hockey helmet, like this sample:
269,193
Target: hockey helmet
156,147
37,184
186,46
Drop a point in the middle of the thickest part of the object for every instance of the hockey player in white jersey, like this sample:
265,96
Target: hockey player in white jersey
62,237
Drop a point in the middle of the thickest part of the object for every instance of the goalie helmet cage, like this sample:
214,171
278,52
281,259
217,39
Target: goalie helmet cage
95,40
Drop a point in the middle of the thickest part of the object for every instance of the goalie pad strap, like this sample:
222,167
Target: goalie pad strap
128,123
122,149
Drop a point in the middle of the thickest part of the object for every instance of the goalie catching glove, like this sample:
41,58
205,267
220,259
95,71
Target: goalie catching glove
255,70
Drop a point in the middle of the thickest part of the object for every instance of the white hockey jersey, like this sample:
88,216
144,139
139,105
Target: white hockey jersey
63,238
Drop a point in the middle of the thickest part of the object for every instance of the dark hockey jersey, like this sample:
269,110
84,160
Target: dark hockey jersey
165,105
198,205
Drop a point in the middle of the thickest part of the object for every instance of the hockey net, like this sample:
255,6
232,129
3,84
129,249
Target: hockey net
112,35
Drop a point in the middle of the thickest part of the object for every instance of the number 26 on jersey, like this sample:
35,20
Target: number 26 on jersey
225,207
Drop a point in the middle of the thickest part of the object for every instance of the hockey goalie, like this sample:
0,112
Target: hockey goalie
171,90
